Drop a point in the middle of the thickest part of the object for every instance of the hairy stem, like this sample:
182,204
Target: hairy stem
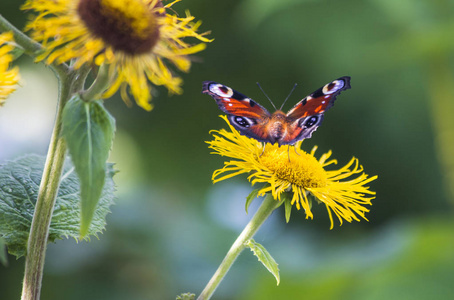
50,182
99,85
265,210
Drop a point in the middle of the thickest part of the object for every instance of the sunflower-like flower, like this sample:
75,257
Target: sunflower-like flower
9,77
343,191
136,38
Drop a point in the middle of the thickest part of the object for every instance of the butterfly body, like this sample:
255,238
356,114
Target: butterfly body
253,120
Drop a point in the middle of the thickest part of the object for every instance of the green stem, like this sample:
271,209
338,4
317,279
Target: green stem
30,47
439,74
264,211
99,85
50,182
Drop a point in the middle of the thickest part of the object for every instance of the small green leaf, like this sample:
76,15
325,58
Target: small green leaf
286,198
19,186
251,197
89,130
3,256
288,210
265,258
186,296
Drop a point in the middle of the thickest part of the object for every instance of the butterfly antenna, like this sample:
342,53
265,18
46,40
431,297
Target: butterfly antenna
288,96
266,96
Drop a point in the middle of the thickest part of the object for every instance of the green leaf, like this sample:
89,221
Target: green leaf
250,198
19,185
3,256
288,210
186,296
264,257
89,130
286,198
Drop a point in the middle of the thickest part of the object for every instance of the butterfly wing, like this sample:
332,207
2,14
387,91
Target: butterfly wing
305,117
246,115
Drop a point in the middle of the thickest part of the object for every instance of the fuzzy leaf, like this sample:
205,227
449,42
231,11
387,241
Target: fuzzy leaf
89,130
251,197
19,185
265,258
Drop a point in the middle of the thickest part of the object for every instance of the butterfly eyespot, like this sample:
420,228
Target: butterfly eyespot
241,121
333,87
309,122
221,90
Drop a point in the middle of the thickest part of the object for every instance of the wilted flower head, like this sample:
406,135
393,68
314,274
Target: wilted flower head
136,38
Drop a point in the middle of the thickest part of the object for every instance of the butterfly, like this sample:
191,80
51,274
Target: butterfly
254,121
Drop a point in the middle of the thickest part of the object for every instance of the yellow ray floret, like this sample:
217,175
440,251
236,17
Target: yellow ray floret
9,77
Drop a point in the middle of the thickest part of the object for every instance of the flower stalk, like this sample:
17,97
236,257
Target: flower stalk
50,182
269,204
99,86
30,47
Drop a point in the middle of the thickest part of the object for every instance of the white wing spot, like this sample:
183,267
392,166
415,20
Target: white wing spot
338,84
218,90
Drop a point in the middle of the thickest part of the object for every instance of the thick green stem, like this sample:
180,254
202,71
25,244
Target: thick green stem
99,86
50,182
69,82
265,210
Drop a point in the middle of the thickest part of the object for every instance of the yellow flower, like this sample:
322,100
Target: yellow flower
9,78
343,191
136,38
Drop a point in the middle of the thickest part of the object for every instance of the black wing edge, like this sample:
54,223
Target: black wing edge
206,85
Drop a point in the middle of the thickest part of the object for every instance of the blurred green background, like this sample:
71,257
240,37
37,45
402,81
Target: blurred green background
171,227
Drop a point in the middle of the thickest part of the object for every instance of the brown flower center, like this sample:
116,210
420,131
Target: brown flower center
130,26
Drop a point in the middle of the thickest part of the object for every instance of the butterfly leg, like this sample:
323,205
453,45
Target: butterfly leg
263,151
294,147
288,153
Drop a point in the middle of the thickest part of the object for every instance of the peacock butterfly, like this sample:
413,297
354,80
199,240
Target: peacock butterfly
254,121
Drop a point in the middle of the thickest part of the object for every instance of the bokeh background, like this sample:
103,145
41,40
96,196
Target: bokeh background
171,227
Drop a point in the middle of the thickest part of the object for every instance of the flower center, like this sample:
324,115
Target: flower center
130,26
302,169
